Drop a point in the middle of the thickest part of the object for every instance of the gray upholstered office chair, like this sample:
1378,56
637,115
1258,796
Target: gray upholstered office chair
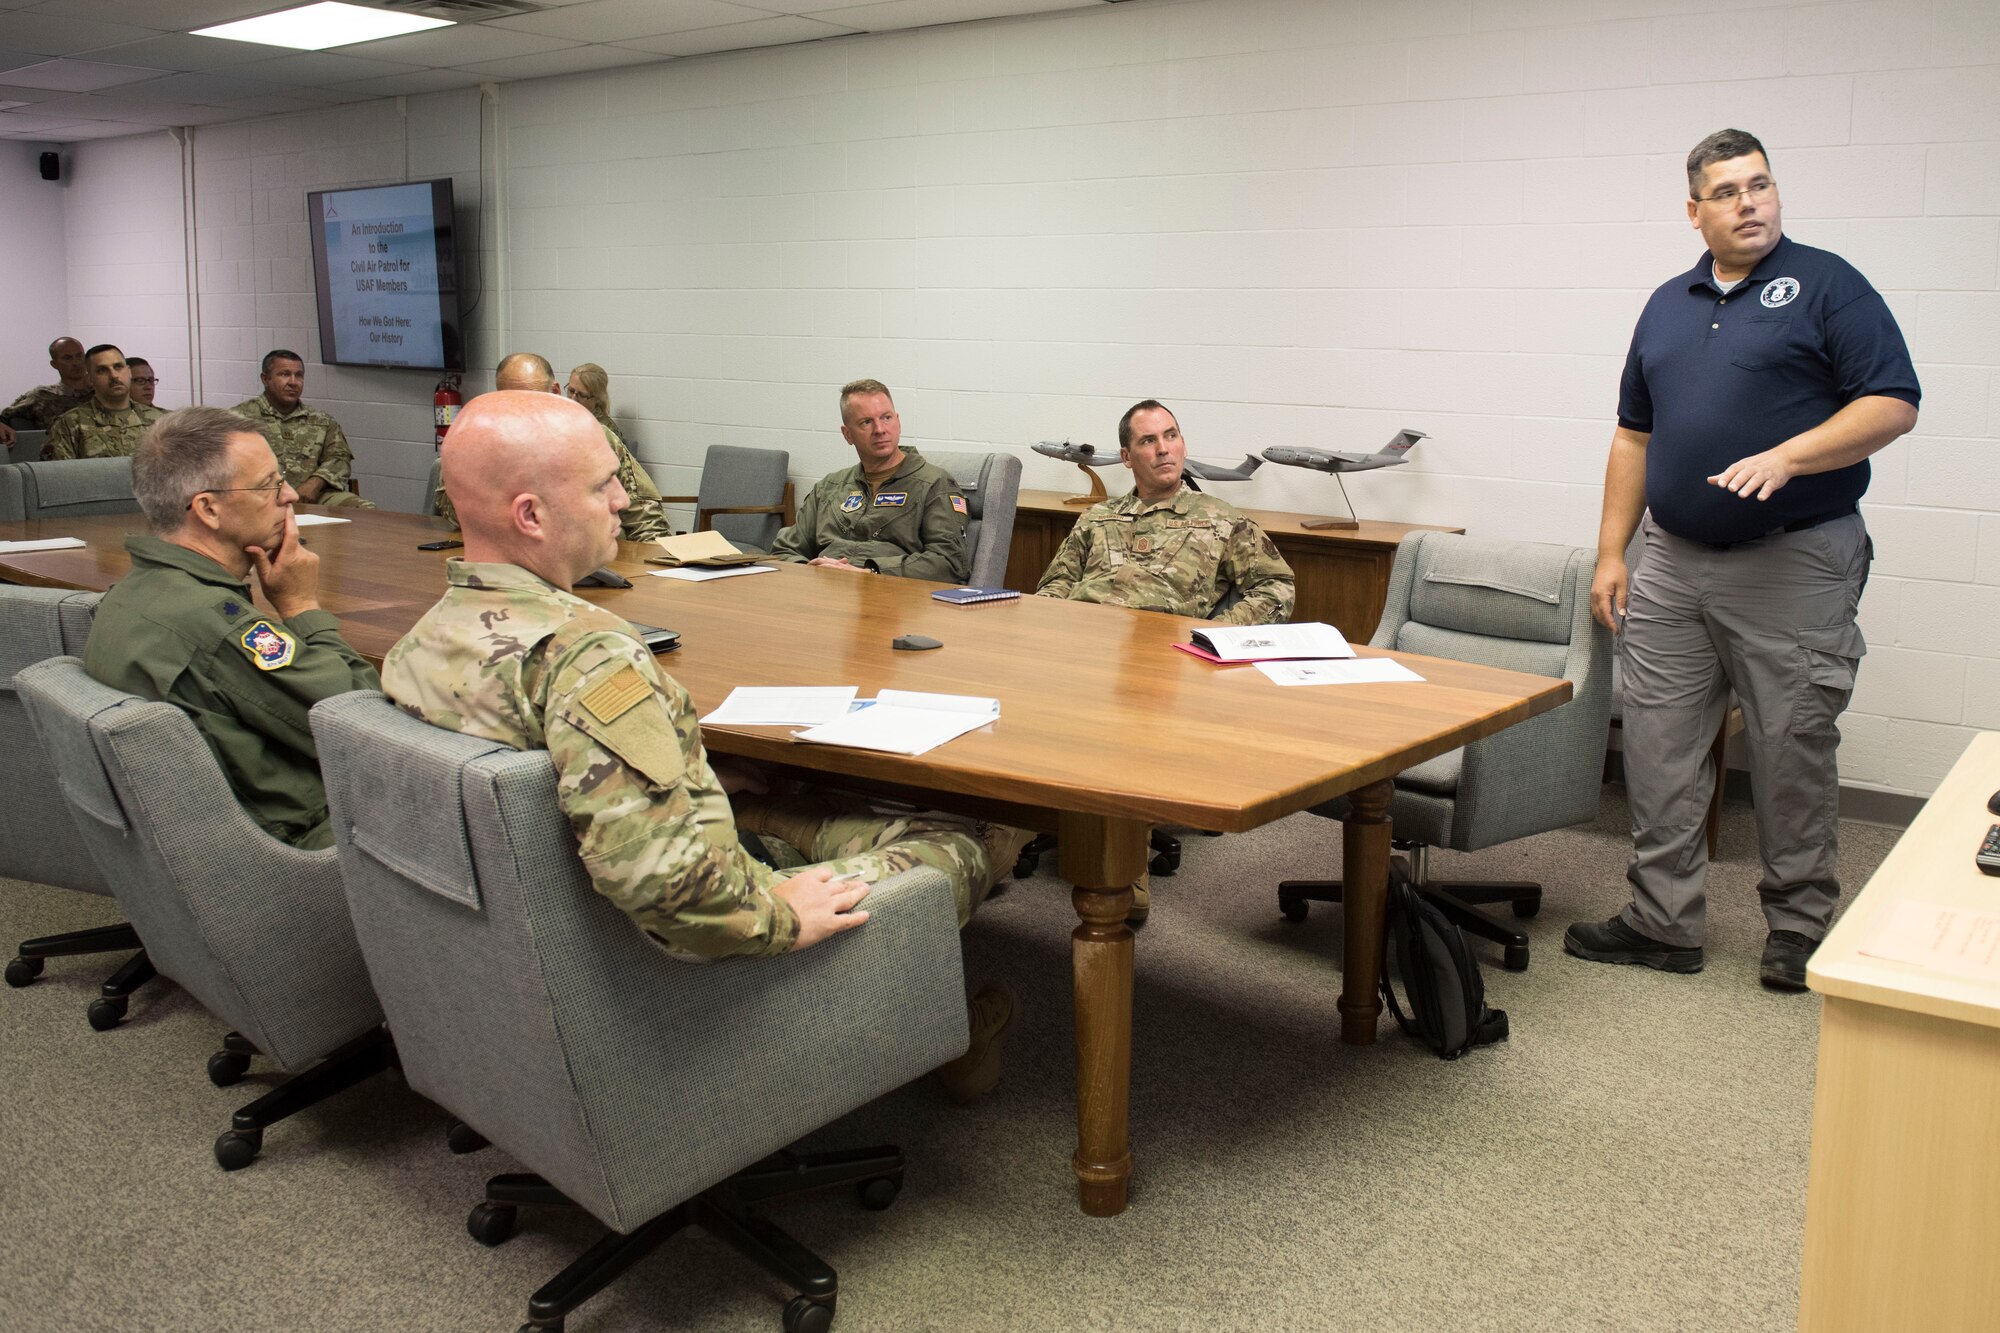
255,930
1522,606
27,446
647,1091
39,841
992,483
745,495
71,488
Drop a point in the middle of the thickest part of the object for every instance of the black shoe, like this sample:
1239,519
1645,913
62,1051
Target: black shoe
1784,965
1615,942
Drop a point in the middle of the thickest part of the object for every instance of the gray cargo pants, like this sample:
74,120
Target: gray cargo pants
1772,619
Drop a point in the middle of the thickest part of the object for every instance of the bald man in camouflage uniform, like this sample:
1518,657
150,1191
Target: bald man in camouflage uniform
1167,548
645,516
510,655
310,445
110,424
38,408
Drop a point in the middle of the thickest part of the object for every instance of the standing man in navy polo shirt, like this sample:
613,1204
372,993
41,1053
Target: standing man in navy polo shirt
1757,385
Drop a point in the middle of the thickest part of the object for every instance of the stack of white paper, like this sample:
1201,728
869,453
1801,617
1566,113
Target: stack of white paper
691,574
45,544
314,520
1351,671
906,722
782,706
1256,643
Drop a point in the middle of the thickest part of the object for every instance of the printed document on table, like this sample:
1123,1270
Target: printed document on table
782,706
1351,671
314,520
1252,643
906,722
45,544
1937,937
690,574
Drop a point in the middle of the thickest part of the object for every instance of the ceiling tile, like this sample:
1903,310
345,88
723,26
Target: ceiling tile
12,94
319,68
79,76
120,105
617,20
16,59
463,44
211,88
108,129
738,36
28,122
575,60
408,85
56,36
889,14
180,51
168,15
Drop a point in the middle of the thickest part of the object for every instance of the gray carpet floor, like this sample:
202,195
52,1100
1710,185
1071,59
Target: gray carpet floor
1633,1158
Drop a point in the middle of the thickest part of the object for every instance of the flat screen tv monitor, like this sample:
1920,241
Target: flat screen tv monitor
385,267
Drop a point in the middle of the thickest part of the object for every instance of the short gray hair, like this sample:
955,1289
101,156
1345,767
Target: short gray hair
1720,146
181,455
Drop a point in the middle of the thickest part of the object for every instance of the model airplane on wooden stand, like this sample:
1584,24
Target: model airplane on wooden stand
1087,457
1329,460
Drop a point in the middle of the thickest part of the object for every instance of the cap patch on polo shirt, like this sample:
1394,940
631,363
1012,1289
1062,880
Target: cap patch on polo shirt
269,647
852,504
892,499
1779,291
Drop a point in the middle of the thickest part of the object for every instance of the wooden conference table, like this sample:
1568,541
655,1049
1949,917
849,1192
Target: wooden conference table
1105,730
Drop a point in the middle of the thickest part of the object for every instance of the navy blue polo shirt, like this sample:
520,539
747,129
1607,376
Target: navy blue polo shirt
1716,378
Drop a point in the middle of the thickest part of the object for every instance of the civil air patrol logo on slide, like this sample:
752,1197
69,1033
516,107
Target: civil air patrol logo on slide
269,647
892,499
851,504
958,503
1779,291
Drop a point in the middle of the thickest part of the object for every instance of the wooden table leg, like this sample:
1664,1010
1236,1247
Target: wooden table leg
1102,857
1364,897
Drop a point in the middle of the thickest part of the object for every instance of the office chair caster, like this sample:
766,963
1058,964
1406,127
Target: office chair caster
879,1193
1527,907
1166,854
806,1315
107,1012
462,1138
1514,958
1030,859
492,1223
23,971
1295,909
227,1068
237,1148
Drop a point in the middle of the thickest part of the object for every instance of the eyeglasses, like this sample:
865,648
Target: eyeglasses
1729,194
143,379
274,487
580,395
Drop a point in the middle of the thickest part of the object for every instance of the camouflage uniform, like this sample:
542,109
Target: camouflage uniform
913,524
182,629
644,519
308,443
505,656
95,431
38,408
1183,556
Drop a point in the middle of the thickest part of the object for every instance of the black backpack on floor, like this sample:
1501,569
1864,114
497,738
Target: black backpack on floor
1447,996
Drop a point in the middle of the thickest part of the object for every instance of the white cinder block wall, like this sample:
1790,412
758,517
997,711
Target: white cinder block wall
31,225
1297,221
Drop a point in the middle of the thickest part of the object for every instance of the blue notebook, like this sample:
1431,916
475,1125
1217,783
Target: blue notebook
966,596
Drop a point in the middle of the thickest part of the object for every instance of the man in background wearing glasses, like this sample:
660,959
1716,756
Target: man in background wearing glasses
145,380
1756,387
182,627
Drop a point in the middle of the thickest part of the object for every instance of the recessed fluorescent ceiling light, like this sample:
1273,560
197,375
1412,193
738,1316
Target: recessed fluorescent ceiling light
316,27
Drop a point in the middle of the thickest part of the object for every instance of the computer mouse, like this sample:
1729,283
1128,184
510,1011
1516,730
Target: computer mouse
604,578
1993,803
914,643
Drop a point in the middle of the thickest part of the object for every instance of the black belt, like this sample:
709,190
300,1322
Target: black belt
1796,525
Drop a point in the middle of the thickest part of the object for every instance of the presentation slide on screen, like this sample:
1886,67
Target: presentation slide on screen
381,271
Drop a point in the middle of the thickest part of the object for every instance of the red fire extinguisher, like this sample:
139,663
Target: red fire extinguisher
445,404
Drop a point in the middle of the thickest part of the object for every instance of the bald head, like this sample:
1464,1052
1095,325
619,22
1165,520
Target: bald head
66,356
526,371
534,484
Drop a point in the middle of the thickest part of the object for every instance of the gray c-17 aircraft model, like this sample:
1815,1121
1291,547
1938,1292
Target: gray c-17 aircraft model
1087,455
1328,460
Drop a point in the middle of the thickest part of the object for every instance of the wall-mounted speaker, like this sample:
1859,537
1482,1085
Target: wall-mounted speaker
51,167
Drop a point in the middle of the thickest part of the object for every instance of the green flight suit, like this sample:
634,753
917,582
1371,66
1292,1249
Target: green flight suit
182,629
95,431
913,524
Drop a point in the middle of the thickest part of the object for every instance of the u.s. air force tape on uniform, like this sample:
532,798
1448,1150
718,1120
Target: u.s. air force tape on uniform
644,738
